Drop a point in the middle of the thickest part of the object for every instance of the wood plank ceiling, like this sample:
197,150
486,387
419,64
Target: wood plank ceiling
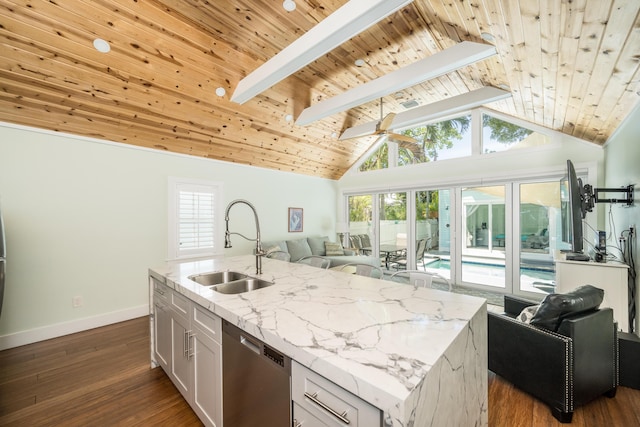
571,65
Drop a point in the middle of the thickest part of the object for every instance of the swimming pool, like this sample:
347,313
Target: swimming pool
532,279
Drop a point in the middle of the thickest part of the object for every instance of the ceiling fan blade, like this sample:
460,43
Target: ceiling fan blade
386,122
400,137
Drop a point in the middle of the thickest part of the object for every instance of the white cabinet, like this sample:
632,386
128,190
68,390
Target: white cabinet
194,361
610,276
317,402
161,325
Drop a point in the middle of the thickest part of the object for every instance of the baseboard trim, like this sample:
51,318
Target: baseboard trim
18,339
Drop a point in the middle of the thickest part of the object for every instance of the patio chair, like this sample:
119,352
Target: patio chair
420,278
365,243
280,255
363,270
355,242
315,261
421,248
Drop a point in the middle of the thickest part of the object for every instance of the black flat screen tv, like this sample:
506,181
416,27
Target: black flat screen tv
573,211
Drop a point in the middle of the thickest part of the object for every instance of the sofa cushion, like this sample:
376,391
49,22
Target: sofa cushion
554,306
317,245
333,249
274,245
298,249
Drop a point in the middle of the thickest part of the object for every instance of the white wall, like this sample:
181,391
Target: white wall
622,168
86,218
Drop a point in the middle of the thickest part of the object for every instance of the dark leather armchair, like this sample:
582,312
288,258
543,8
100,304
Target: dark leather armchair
565,368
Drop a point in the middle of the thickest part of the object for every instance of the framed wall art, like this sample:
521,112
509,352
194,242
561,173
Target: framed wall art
295,220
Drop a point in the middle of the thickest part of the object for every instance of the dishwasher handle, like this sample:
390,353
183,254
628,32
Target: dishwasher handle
247,342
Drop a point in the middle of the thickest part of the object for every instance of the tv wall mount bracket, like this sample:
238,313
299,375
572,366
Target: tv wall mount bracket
593,195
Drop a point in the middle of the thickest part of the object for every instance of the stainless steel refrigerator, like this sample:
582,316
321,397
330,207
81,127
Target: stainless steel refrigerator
3,261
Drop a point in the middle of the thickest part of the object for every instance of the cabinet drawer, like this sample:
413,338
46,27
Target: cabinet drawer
302,418
329,404
160,289
180,304
208,322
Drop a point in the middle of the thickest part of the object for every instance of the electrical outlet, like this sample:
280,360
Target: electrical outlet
77,301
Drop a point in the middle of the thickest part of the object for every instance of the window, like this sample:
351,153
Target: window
194,212
447,139
499,135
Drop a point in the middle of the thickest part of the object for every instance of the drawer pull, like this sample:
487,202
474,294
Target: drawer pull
314,398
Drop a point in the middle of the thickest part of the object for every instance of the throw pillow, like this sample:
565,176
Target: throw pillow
333,249
554,306
527,314
298,249
317,245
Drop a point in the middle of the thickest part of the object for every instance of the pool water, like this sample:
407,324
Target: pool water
531,279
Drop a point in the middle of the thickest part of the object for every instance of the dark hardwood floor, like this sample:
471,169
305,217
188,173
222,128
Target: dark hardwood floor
102,377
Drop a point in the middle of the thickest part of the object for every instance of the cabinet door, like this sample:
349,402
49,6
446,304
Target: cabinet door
302,418
180,366
162,333
207,378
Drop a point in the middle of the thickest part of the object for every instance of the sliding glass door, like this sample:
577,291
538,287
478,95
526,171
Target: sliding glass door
484,233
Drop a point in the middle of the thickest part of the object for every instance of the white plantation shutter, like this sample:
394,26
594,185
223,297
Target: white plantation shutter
194,208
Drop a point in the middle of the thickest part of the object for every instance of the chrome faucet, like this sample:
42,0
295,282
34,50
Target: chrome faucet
227,234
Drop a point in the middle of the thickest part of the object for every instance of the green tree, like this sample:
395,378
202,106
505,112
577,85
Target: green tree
378,160
431,139
504,132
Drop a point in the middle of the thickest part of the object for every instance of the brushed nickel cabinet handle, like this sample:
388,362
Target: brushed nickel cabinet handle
314,398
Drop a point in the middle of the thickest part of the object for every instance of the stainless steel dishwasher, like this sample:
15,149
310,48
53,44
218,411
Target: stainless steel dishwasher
256,381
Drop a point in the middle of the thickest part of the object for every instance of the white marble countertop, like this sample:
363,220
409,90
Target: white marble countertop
376,338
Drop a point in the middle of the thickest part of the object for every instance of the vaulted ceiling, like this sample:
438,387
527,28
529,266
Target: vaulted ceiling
571,66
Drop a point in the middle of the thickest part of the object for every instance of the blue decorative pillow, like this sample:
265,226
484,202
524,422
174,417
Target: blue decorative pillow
554,306
298,248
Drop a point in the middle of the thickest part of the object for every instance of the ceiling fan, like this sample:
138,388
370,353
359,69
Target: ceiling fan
382,128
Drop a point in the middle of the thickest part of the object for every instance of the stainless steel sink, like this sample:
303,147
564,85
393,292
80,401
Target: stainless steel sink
241,286
216,278
229,282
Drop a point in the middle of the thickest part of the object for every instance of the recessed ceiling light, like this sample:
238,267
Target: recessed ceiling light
288,117
101,45
359,62
289,5
487,36
334,134
220,91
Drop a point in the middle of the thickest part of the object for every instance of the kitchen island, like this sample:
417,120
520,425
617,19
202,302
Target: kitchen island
418,355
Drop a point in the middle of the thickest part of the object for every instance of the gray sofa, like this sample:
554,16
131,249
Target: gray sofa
306,246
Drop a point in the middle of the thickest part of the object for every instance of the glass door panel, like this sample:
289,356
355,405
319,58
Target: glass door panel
433,224
540,230
393,241
360,214
484,236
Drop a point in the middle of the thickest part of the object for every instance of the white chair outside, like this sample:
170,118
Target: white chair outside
419,278
363,270
315,261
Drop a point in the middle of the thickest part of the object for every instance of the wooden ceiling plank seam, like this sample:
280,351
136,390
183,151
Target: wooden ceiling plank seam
195,52
572,16
513,11
462,16
550,45
501,32
592,33
78,60
172,122
606,115
605,67
530,13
